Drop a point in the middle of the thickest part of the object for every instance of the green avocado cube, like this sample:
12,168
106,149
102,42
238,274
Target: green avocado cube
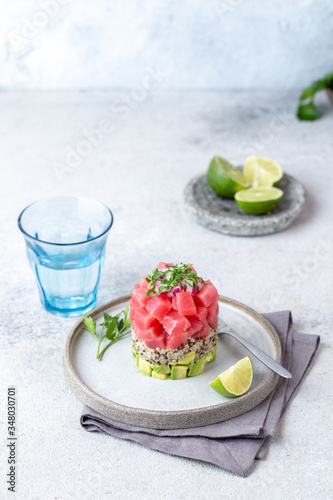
160,368
188,358
136,355
212,355
159,376
197,368
144,367
178,372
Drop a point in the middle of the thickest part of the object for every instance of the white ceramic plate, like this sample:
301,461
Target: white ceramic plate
116,388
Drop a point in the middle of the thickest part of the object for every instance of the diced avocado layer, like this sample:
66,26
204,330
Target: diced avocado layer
186,367
178,372
165,369
160,376
188,358
198,367
212,355
144,367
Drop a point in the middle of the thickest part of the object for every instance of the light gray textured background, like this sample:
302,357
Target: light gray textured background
135,149
140,171
63,44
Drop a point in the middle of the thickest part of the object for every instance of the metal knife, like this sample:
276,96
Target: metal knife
258,353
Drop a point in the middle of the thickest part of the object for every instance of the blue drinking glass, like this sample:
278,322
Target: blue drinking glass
65,240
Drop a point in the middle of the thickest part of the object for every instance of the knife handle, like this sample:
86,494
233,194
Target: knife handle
261,355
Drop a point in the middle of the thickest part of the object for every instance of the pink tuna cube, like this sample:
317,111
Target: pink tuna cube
140,295
151,333
159,306
143,319
174,323
196,325
203,332
164,265
212,315
159,341
201,313
176,340
206,295
185,304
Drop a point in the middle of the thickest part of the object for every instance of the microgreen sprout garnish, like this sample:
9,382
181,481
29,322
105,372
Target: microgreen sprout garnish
162,280
113,329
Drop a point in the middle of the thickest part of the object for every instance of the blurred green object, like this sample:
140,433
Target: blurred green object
306,108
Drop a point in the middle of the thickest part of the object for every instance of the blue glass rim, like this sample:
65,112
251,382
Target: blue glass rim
64,244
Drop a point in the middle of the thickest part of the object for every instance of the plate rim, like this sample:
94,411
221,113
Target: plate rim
172,419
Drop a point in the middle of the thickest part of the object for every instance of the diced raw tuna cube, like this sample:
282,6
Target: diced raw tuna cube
164,265
151,333
159,306
156,329
133,305
213,308
140,295
185,304
203,332
132,314
145,335
174,300
196,325
159,341
143,283
212,315
210,284
174,323
134,302
213,321
176,340
201,313
143,319
206,295
136,329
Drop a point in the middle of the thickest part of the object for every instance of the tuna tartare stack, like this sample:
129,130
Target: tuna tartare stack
174,315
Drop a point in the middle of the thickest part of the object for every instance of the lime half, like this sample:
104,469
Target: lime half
262,172
224,178
235,381
258,201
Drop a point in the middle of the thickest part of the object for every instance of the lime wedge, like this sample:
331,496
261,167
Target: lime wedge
262,172
258,201
235,381
224,178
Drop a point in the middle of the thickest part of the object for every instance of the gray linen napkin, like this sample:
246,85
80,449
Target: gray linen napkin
236,443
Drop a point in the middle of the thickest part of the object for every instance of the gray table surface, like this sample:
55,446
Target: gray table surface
139,170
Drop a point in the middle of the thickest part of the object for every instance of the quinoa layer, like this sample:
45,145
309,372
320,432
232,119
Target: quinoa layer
201,346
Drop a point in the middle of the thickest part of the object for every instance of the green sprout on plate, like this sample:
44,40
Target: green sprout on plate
113,328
